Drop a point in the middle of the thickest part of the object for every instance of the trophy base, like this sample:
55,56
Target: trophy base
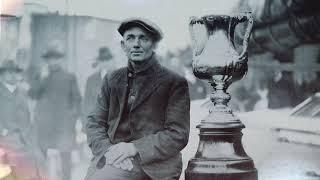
220,154
215,169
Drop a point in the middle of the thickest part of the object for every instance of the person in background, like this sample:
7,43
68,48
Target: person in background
282,91
141,119
15,125
94,81
57,108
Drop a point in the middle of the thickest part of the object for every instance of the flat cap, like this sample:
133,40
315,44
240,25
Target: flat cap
145,24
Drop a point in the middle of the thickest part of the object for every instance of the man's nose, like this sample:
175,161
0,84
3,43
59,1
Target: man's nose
137,44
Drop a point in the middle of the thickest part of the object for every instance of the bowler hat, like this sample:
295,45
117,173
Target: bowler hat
52,53
10,65
145,24
104,55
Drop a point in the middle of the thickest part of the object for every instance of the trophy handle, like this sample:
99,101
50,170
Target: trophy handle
199,34
247,16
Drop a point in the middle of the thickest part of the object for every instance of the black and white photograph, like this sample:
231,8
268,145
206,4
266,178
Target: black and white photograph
159,90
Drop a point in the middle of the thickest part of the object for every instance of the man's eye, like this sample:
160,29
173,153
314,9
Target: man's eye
129,38
144,39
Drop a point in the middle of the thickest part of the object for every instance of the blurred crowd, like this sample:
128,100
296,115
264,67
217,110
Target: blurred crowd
43,114
40,114
271,89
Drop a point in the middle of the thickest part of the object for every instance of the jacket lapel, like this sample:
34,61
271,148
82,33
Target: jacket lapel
120,81
122,88
148,84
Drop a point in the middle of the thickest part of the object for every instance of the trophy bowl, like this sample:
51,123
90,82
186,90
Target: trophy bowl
214,51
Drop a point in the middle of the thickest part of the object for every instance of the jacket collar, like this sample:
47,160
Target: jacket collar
143,66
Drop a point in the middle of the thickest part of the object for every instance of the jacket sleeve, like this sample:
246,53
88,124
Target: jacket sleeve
96,126
174,136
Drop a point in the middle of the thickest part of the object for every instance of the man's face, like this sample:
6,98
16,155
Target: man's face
11,77
137,44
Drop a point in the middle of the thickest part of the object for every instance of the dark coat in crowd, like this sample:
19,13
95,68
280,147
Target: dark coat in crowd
282,94
159,119
14,111
17,141
93,86
57,109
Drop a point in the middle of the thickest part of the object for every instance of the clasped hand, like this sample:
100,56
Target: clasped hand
121,155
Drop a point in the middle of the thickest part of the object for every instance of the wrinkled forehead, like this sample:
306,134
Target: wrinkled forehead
137,31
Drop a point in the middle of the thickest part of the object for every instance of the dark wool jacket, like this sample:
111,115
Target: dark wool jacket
159,118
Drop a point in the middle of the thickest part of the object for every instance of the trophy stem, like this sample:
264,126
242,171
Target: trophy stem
219,96
220,153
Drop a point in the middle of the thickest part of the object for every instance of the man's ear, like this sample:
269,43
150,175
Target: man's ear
122,45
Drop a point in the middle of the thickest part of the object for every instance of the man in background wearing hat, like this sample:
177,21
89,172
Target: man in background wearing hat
141,119
57,109
94,82
15,124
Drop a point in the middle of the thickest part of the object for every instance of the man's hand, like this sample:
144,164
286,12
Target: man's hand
119,152
126,164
